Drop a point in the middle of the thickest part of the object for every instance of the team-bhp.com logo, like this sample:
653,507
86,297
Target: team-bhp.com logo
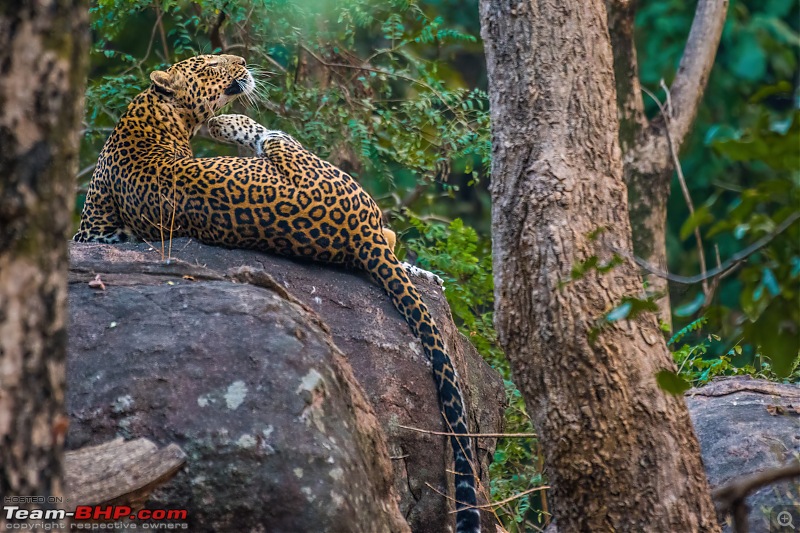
89,517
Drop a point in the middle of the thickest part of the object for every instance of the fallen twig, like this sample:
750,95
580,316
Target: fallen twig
449,434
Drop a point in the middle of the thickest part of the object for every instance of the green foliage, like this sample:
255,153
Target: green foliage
579,270
671,382
465,264
463,260
697,365
628,308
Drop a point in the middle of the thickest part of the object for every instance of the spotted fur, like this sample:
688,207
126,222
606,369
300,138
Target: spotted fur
244,131
288,202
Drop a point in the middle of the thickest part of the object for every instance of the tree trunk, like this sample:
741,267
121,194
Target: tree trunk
648,164
43,56
620,453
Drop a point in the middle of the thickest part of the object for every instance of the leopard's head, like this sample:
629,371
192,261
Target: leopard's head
200,86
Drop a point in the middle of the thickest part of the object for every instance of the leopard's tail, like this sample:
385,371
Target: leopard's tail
379,260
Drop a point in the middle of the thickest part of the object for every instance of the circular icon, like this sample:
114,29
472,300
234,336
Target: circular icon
785,519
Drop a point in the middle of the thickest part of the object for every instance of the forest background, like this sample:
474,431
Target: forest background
394,93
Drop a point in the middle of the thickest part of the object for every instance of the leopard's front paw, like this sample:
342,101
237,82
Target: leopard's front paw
235,129
278,135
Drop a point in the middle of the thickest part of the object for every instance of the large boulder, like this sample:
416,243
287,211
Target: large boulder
747,426
234,355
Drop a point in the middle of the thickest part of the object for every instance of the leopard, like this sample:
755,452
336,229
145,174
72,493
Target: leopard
247,133
288,202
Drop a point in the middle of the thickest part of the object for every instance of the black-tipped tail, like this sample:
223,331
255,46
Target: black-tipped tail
387,271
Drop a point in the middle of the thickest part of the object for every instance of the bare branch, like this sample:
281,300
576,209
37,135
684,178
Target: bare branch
666,113
397,75
214,34
490,435
730,498
82,172
692,76
160,25
698,58
723,269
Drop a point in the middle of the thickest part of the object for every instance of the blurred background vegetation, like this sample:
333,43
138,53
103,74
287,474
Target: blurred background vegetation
393,91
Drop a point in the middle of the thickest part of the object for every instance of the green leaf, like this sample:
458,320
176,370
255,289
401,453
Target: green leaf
672,383
782,87
580,269
752,301
777,337
692,307
751,61
702,215
692,326
619,312
631,308
769,281
595,233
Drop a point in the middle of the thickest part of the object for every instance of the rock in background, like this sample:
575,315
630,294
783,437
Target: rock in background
747,426
247,380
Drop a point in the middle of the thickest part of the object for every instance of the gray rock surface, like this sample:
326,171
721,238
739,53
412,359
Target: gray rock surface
248,381
746,426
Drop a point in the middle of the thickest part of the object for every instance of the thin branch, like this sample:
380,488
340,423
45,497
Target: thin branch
82,172
163,34
473,469
730,498
491,505
741,487
649,155
712,288
87,129
414,195
172,220
449,434
259,52
149,45
387,73
701,256
214,34
517,496
725,267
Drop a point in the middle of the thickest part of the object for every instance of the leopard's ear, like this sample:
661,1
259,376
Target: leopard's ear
167,82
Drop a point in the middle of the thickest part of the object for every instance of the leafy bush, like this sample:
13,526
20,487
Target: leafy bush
463,260
697,368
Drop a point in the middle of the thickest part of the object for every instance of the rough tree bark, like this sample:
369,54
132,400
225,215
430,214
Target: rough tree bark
621,454
648,163
43,57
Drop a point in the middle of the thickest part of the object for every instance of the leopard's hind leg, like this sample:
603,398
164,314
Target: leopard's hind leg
274,145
